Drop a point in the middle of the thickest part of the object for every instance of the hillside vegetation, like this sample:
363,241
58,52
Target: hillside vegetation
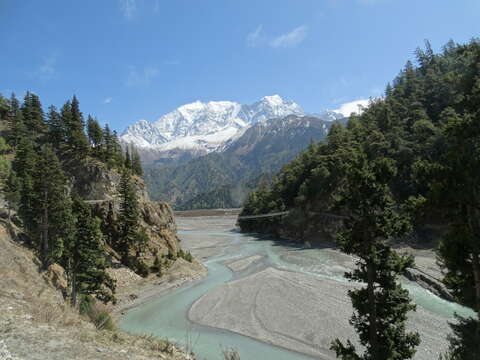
411,158
224,178
75,221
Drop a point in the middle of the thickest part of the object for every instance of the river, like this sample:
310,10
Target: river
221,300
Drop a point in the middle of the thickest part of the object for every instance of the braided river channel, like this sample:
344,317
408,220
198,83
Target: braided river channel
271,299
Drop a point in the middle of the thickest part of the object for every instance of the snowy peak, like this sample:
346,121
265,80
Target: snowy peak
143,134
198,118
270,107
205,126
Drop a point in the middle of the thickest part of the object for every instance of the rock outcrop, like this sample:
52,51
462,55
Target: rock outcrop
157,220
92,180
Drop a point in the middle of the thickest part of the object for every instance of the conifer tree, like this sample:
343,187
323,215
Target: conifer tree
118,157
15,122
456,186
53,222
24,166
381,307
12,192
129,214
128,163
56,131
76,138
136,162
32,114
95,133
87,261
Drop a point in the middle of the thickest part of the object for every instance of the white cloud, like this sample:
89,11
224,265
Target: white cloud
255,37
107,100
141,78
128,8
46,69
352,107
290,39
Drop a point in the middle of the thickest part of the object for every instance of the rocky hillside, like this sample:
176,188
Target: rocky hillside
36,323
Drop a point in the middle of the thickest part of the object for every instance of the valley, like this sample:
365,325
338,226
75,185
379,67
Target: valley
288,297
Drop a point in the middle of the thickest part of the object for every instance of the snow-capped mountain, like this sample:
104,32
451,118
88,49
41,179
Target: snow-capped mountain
203,127
200,128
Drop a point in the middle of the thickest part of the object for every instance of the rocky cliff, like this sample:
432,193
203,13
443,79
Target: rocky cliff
98,185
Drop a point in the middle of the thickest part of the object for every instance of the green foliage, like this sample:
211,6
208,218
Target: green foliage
32,114
157,266
48,152
418,146
142,269
95,133
372,218
465,340
136,162
12,191
220,180
129,215
51,224
185,255
87,262
98,315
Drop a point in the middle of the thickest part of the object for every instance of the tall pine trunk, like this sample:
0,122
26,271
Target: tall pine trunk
45,247
373,308
74,289
476,276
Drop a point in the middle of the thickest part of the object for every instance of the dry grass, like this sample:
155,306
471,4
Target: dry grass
54,314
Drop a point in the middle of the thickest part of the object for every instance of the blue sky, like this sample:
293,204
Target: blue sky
138,59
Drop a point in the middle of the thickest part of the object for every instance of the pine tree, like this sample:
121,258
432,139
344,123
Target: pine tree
128,163
95,133
56,131
136,162
15,123
382,307
52,225
32,114
76,138
12,192
87,260
129,215
24,165
456,187
118,157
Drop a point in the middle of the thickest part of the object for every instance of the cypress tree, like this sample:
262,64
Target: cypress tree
87,259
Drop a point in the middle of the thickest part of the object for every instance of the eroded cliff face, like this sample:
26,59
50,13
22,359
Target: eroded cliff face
92,180
157,220
99,186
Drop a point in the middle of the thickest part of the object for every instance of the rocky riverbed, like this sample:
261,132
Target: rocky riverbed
290,297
